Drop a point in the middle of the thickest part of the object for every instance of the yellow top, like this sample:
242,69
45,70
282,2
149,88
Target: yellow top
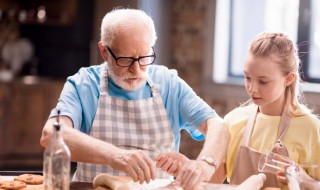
302,138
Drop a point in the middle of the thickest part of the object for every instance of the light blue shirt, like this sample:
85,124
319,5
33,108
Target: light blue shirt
186,110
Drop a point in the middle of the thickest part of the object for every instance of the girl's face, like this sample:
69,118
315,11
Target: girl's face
265,84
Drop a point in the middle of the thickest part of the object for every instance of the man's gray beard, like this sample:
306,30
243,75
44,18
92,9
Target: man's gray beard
120,80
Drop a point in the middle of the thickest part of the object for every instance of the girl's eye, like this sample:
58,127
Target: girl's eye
263,82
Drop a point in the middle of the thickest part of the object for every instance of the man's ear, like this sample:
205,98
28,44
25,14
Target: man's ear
291,77
103,50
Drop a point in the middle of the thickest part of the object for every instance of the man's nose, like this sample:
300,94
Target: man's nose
135,67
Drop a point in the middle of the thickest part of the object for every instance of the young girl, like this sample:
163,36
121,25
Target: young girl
274,119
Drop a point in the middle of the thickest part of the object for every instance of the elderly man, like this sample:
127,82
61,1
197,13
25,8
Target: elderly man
120,115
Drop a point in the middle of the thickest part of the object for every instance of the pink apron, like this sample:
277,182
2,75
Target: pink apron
247,159
129,124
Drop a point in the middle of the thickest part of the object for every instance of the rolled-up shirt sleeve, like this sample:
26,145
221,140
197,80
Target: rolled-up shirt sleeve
79,98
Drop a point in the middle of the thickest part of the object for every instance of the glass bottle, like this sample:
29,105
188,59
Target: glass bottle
56,165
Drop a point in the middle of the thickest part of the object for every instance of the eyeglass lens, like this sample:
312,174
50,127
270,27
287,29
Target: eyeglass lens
129,61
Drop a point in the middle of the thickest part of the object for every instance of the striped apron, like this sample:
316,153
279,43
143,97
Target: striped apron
129,124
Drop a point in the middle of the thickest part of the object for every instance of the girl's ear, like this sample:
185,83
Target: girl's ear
103,50
291,77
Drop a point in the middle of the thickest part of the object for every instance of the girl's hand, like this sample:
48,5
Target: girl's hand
281,177
171,162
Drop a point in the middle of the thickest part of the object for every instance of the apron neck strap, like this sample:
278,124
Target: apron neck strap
154,87
249,127
284,121
104,79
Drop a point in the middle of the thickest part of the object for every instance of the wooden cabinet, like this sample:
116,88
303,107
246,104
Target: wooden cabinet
39,12
24,108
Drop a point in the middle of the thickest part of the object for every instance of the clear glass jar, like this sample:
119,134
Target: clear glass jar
56,162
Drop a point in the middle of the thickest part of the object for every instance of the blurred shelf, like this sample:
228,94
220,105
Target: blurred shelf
38,12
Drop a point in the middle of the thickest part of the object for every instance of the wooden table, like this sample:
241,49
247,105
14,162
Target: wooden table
9,176
73,185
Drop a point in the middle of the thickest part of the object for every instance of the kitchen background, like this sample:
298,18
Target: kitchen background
44,41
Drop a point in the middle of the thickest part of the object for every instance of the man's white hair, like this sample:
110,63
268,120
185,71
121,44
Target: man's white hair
118,19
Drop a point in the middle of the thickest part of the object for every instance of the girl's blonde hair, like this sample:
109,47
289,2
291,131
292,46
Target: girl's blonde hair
281,48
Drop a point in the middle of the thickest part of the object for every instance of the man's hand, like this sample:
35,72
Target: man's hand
194,172
135,163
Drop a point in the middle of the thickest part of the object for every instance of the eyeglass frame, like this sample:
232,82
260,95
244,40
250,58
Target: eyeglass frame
133,58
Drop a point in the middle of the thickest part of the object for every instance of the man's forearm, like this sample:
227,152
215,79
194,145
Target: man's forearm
83,148
217,139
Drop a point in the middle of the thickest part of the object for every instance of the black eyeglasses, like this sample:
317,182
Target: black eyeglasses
128,61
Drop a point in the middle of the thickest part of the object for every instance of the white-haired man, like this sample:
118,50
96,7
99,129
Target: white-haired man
123,113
